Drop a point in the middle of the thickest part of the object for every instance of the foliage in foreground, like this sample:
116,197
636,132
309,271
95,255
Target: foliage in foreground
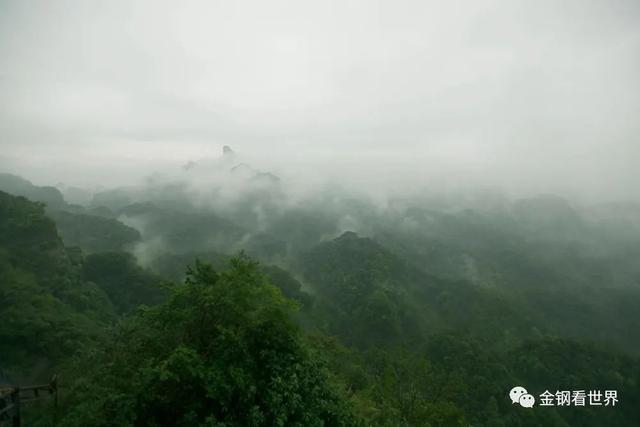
221,351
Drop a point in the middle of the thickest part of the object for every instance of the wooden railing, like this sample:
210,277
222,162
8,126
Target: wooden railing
10,407
11,398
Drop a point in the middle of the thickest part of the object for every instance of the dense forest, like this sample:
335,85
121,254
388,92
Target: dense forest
186,302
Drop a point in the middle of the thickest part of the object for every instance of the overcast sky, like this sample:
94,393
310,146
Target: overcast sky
523,93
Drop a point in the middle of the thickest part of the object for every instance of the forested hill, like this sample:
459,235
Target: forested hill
46,308
424,317
359,277
93,230
50,301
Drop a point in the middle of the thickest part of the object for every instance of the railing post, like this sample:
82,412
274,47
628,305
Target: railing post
53,388
15,398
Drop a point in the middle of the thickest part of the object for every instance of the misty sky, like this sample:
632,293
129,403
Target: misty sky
538,94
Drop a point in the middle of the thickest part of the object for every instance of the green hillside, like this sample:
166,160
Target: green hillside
429,317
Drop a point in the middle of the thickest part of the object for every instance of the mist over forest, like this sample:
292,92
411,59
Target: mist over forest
298,213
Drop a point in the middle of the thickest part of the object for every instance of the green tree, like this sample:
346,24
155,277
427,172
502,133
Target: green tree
220,351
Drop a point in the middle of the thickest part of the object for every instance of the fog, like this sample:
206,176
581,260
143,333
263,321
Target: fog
529,96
